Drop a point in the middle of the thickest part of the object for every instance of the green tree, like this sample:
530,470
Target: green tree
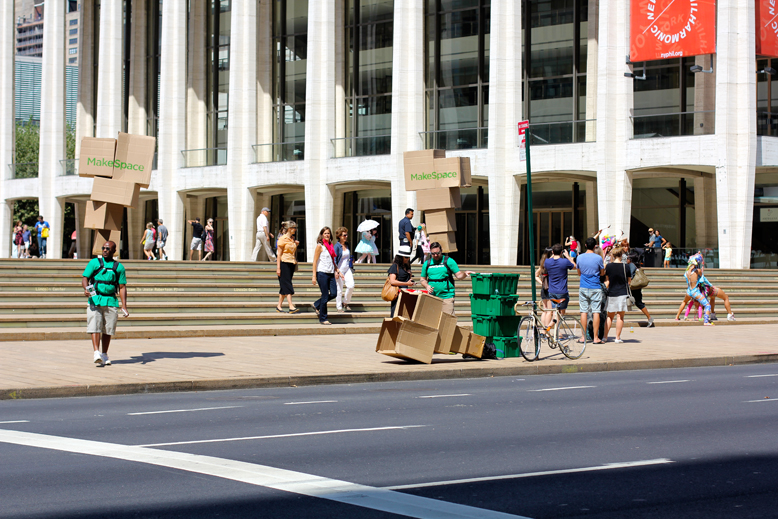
27,145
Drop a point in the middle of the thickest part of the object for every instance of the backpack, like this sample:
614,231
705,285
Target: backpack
114,283
450,278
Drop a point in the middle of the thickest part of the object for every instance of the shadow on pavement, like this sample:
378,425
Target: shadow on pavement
145,358
741,487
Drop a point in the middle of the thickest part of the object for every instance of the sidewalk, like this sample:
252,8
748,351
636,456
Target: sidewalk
64,368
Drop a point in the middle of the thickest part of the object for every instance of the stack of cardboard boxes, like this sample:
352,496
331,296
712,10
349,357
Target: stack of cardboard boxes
120,168
436,180
420,329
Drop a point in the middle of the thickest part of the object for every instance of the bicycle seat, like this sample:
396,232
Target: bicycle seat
558,300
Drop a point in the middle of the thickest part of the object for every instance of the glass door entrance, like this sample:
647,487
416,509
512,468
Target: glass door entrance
551,226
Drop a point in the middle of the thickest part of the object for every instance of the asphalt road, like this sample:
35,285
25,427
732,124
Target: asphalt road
640,444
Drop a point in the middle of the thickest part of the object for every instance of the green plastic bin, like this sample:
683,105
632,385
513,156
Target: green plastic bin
494,284
494,306
495,326
507,347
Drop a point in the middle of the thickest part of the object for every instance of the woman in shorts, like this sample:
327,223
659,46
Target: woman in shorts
617,280
148,242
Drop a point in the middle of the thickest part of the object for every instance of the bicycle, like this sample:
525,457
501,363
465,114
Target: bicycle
569,336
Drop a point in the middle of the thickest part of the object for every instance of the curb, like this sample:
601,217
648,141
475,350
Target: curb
488,370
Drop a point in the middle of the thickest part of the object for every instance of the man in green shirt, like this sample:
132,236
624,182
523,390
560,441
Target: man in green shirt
103,278
438,275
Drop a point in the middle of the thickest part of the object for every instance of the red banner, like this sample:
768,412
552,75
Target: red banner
767,28
665,29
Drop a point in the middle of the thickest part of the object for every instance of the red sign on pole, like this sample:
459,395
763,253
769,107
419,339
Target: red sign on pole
665,29
766,28
523,125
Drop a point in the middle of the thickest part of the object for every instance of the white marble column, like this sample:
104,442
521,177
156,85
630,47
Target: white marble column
735,131
505,111
7,123
137,108
109,70
85,110
320,116
407,101
242,127
136,226
592,55
172,119
52,125
196,87
614,102
83,236
265,55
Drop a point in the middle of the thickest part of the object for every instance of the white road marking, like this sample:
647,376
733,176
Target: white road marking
762,400
314,402
261,475
185,410
759,376
17,421
669,382
444,396
560,388
607,466
291,435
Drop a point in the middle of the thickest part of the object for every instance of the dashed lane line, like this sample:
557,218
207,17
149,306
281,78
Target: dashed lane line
668,381
314,402
185,410
559,388
444,396
16,421
607,466
262,475
291,435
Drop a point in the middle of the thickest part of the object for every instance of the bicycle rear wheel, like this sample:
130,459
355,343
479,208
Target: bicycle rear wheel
529,340
571,337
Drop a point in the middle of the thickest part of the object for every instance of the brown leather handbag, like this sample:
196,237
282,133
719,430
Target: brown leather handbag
389,292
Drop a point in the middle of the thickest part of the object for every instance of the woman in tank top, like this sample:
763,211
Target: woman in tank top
325,273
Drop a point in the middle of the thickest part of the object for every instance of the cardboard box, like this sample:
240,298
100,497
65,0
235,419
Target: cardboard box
439,198
459,340
96,157
103,235
466,342
440,220
419,307
448,325
405,339
134,158
447,240
430,169
101,215
115,192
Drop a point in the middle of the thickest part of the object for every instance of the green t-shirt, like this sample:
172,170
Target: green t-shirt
106,291
438,277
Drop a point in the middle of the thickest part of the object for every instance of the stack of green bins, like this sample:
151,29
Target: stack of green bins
491,307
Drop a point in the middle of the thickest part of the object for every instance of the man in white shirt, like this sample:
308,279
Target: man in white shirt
263,237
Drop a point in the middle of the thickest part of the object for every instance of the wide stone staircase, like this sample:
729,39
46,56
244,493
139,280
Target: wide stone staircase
43,299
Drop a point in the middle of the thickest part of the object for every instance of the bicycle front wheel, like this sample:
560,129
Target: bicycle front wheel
529,340
571,337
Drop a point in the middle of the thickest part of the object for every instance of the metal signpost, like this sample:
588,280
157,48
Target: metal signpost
524,137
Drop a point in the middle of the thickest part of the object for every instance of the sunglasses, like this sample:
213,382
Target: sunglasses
436,253
106,248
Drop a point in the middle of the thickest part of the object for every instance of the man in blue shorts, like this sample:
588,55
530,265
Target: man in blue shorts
557,266
590,268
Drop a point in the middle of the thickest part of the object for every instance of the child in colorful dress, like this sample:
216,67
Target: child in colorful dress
364,247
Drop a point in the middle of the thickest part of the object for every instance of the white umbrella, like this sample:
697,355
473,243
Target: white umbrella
367,225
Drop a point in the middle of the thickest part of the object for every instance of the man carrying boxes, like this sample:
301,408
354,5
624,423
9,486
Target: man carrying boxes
120,168
438,275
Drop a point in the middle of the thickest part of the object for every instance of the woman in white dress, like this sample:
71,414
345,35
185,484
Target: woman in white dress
344,260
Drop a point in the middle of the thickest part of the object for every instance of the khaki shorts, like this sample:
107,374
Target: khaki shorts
448,306
102,320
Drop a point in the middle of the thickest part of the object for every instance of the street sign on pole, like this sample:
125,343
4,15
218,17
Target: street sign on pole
524,155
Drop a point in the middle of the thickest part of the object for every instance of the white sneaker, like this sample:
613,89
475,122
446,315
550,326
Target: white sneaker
106,360
98,358
650,323
730,317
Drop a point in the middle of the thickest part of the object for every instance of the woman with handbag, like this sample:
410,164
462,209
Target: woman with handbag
399,276
638,282
617,280
286,264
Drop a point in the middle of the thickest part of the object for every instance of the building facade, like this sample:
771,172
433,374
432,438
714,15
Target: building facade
307,107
